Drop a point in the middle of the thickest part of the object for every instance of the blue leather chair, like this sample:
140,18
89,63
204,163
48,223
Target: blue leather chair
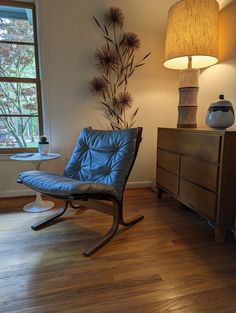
98,169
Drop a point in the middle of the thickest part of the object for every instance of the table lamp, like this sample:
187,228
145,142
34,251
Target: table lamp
191,43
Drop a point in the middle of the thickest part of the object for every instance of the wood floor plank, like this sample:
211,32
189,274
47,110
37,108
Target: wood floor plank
166,263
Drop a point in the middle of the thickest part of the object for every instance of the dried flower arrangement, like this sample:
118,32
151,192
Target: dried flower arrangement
116,63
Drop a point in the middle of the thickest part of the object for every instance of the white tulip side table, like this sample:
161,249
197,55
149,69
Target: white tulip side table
39,205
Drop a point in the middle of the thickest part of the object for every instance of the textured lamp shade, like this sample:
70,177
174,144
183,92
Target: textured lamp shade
192,31
191,43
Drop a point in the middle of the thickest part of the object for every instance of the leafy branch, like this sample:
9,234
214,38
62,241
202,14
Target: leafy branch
116,63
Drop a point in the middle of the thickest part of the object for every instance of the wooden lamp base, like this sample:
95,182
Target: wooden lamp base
188,91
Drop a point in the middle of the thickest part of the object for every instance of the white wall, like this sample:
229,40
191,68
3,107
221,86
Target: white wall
220,78
68,40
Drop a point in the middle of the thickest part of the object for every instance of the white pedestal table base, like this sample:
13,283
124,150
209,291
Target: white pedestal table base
39,205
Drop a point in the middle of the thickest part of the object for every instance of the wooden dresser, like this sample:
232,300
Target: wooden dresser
198,167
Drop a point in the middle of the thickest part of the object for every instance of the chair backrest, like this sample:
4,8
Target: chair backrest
104,156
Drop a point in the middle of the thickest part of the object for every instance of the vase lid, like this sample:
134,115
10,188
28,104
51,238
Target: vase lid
221,102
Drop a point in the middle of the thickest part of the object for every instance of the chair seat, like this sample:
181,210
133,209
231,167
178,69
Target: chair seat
61,186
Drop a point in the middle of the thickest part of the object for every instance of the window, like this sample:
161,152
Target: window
20,94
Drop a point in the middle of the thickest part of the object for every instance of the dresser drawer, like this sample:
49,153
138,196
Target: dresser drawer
198,198
198,172
168,180
202,145
168,161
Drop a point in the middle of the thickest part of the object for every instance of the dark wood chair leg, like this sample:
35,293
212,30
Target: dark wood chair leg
106,238
132,221
129,222
117,219
75,206
47,221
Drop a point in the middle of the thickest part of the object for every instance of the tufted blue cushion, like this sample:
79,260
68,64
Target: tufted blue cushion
103,156
100,163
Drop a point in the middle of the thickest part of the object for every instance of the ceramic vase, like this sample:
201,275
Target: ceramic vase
220,114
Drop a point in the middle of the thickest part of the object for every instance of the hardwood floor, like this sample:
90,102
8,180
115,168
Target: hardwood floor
166,263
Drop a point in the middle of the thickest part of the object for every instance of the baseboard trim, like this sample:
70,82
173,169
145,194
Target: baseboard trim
28,192
139,184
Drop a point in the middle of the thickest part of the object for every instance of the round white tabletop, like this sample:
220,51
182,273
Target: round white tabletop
39,205
34,157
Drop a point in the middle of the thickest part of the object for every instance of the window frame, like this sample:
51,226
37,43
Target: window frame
36,81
